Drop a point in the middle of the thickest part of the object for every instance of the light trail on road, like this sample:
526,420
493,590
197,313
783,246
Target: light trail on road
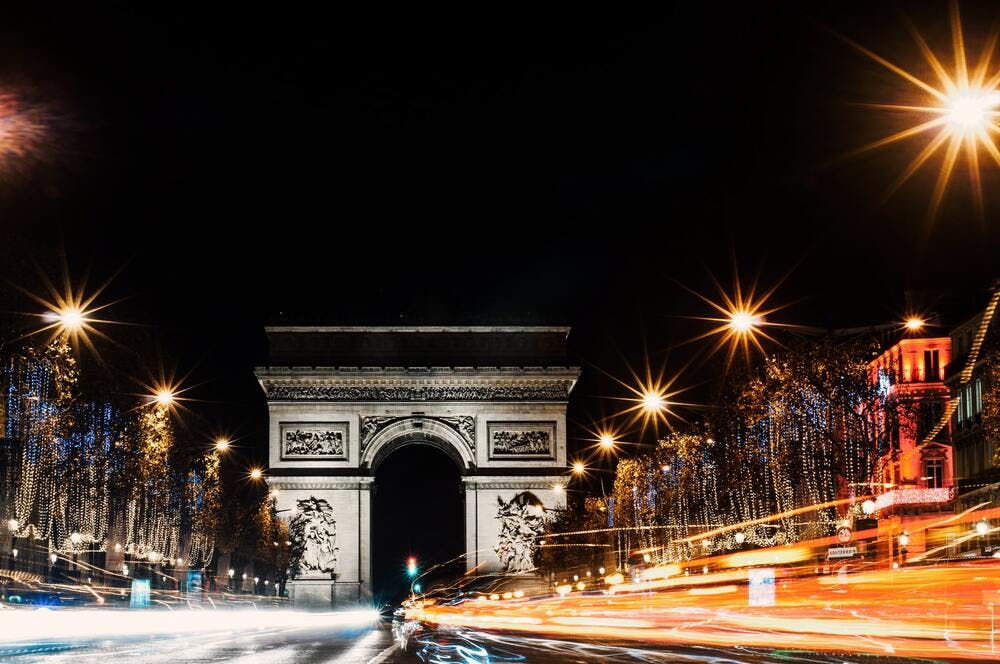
20,625
934,611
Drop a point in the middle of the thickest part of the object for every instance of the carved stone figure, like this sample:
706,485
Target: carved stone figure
314,538
521,522
465,425
554,391
521,442
315,442
371,426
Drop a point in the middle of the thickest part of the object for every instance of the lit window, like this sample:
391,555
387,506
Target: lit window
934,472
978,405
932,369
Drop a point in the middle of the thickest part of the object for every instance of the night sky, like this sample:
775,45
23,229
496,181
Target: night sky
229,168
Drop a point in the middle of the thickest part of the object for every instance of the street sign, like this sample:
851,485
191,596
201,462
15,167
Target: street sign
844,534
841,552
140,594
194,581
761,586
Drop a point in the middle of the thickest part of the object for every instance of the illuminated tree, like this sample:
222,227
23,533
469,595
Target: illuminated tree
76,462
801,426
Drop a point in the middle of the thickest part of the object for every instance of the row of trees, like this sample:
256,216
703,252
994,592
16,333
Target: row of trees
85,466
800,426
80,471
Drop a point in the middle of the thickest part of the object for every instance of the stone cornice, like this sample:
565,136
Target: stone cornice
316,484
394,329
417,384
356,374
513,482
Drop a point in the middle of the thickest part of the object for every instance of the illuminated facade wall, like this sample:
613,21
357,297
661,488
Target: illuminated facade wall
911,377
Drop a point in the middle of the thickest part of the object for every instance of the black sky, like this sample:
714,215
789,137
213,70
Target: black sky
497,165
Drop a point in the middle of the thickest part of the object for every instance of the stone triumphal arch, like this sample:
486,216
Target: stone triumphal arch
341,399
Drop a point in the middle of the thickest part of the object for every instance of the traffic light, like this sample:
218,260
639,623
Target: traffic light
411,566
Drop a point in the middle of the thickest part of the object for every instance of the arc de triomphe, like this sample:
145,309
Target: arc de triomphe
342,399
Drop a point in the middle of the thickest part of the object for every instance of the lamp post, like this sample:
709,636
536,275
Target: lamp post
904,540
231,572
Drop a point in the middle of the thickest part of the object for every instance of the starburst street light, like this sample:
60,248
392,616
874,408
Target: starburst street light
963,107
222,444
579,468
606,441
741,317
165,393
913,324
68,320
256,473
653,401
164,397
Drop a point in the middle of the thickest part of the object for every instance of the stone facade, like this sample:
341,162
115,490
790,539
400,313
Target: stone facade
331,427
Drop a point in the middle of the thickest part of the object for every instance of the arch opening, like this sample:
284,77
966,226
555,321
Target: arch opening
418,510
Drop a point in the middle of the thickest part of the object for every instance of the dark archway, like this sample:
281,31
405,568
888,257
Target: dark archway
418,509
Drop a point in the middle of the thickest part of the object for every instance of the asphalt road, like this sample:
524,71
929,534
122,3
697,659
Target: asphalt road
383,644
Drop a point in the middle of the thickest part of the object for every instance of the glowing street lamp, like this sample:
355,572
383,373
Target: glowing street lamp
231,572
607,441
868,507
740,537
68,320
982,527
914,324
164,398
71,319
222,444
76,538
961,112
558,488
579,468
653,402
970,110
12,525
904,539
742,321
53,558
256,474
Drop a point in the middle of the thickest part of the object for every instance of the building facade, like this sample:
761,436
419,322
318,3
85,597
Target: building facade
910,376
975,449
341,400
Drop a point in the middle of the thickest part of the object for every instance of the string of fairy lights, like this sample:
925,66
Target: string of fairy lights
804,426
81,475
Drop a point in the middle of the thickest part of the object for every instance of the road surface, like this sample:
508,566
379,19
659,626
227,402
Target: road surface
381,643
